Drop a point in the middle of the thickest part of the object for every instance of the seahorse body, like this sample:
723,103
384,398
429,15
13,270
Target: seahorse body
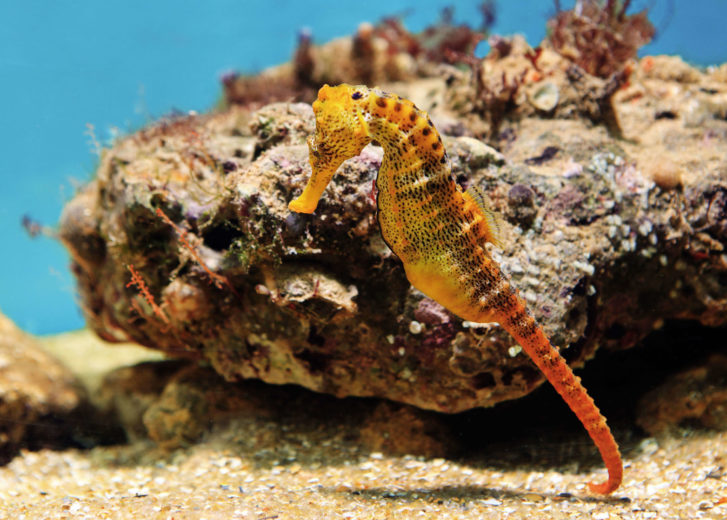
437,231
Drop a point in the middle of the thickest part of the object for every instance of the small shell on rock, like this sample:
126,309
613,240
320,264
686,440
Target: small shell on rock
545,97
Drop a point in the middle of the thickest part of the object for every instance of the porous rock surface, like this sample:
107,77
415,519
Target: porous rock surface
605,236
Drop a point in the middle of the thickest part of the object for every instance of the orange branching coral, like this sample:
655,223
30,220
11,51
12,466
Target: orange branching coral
598,35
218,280
138,281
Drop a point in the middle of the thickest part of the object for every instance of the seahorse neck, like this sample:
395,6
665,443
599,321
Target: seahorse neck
387,133
406,133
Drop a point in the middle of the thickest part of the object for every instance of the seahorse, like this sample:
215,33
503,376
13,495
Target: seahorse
438,231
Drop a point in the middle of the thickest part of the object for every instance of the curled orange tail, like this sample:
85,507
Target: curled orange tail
534,342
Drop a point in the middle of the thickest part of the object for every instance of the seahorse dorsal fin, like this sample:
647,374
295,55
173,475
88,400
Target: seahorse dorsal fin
493,220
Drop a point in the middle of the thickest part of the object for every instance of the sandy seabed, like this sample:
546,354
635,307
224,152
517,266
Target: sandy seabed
682,479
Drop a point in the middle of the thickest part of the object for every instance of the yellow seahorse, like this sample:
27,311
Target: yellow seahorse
438,231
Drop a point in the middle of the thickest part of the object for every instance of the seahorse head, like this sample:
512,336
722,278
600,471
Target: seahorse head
341,128
341,133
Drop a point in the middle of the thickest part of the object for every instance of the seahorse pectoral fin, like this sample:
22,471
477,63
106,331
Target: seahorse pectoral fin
492,219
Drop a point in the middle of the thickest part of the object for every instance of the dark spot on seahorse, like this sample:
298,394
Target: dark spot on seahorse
381,102
429,122
397,107
413,117
443,159
435,145
357,95
426,131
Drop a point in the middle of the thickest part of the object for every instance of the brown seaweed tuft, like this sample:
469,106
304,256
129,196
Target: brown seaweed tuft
377,53
598,35
257,91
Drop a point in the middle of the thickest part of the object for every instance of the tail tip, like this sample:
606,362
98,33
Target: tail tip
605,488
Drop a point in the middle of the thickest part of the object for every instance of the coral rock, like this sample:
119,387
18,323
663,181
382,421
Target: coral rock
197,206
39,398
698,394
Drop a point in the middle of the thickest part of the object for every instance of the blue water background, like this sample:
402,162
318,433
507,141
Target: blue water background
119,64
